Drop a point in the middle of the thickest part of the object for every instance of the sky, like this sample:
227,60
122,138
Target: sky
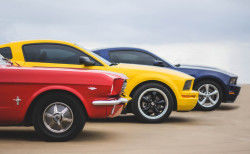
209,32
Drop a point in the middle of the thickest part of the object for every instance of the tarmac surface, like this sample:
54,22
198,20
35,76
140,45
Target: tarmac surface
225,130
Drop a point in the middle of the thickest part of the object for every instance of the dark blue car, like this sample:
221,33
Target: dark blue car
214,85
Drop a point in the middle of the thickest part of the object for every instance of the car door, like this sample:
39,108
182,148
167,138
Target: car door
53,55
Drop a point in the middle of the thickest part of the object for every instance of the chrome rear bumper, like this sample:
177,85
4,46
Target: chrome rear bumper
111,102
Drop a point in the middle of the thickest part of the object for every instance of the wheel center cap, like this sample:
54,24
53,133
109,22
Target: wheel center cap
206,94
57,117
152,103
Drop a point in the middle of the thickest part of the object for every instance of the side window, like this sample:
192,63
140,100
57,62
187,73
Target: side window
132,57
53,53
98,53
6,52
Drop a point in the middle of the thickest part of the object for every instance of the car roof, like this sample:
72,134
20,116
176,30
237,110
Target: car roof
119,48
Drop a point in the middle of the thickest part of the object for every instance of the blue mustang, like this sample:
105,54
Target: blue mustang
214,85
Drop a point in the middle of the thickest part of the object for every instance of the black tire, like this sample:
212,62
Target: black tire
213,101
152,102
64,108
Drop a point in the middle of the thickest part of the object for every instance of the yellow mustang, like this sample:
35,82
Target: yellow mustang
155,91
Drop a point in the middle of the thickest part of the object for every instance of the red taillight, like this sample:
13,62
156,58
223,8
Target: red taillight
118,86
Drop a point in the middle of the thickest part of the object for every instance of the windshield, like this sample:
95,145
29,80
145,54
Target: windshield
164,59
168,61
3,61
99,57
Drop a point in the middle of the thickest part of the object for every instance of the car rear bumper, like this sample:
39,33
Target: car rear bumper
233,92
114,111
110,102
187,101
114,107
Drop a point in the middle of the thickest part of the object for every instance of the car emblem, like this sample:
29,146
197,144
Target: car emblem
92,88
18,100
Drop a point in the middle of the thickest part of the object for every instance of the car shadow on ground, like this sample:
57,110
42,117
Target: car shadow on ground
32,136
133,119
88,135
222,107
17,135
227,107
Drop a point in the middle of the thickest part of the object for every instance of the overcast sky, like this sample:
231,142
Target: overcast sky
213,32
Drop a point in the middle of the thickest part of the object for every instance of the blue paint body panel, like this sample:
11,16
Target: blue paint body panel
198,72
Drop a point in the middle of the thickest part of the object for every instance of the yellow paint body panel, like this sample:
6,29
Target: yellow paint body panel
137,74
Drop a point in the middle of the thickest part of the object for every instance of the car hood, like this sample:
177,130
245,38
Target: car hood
143,69
206,68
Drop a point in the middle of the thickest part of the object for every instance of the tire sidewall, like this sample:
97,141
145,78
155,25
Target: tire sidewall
198,85
135,103
78,121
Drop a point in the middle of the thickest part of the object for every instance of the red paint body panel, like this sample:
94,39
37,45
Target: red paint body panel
28,83
117,111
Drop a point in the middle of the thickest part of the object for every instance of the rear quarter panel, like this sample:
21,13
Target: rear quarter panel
27,84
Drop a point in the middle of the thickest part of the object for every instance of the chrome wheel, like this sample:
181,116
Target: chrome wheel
153,103
58,117
208,95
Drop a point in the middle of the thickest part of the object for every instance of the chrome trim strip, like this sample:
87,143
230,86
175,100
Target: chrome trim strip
111,102
113,110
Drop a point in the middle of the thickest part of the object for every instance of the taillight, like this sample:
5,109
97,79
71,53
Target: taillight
124,85
118,86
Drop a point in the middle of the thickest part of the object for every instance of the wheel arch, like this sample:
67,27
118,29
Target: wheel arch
223,87
29,111
159,82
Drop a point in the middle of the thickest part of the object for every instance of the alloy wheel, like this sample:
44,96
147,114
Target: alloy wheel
208,95
153,103
58,117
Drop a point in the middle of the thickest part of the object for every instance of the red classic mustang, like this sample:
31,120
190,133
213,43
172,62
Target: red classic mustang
57,101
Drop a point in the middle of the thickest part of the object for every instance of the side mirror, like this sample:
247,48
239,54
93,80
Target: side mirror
158,63
86,61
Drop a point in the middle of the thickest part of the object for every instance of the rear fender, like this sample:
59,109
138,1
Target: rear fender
48,88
